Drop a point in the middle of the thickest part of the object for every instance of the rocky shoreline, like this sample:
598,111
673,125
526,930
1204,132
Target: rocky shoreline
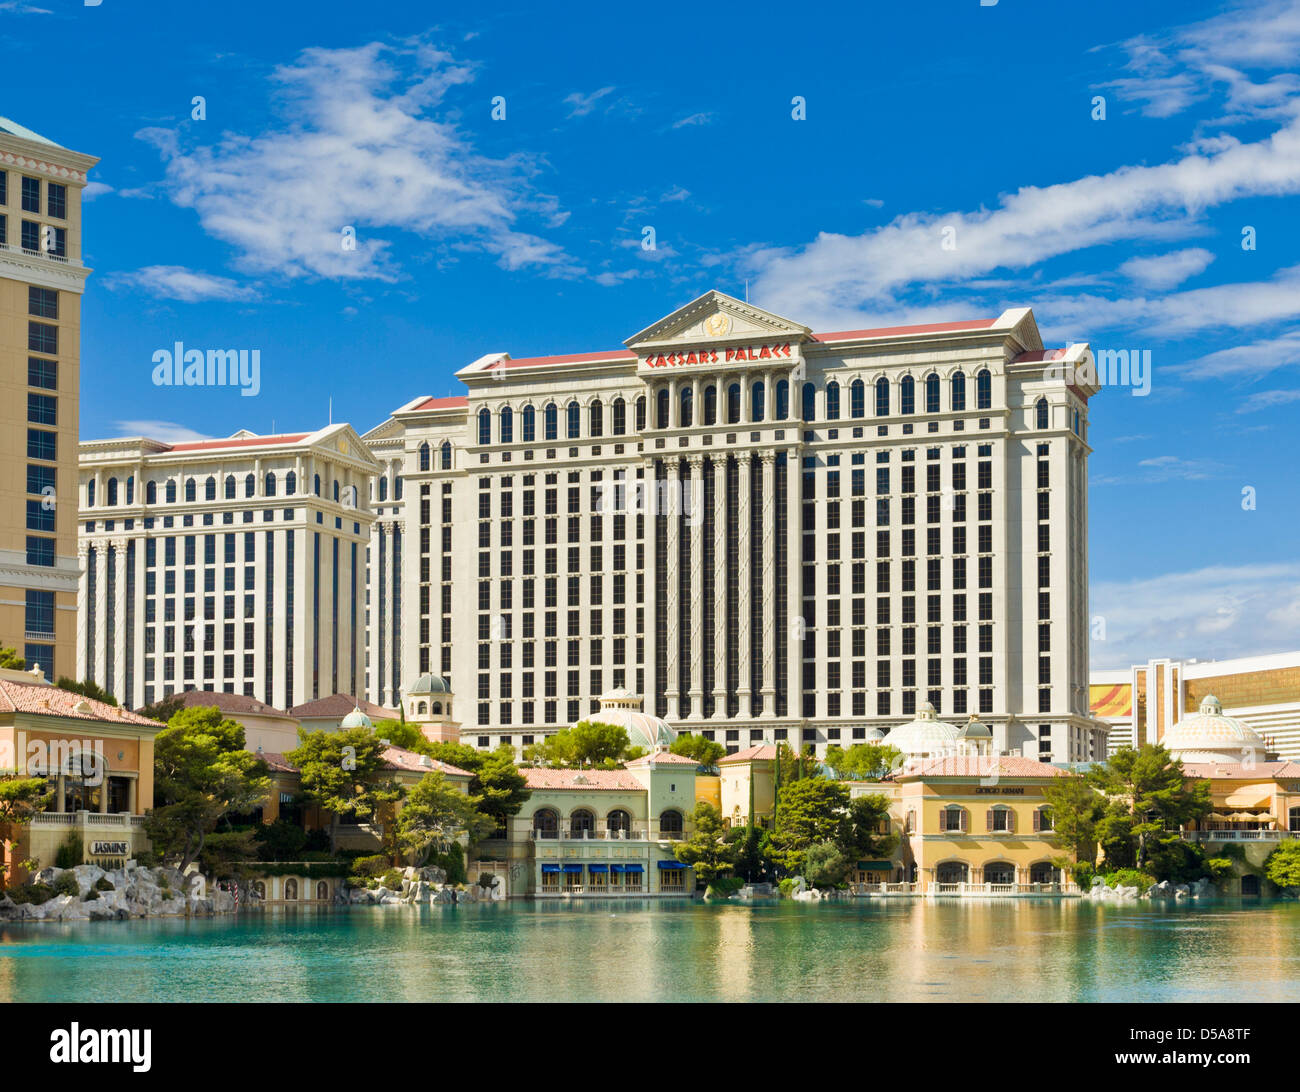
118,895
421,887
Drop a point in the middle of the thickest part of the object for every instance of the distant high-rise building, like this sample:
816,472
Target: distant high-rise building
41,281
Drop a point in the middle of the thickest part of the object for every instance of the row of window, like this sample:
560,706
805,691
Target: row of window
56,196
116,492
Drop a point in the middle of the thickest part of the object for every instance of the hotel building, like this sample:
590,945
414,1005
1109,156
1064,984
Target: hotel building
772,533
41,281
231,565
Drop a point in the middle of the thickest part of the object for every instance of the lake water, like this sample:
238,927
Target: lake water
865,950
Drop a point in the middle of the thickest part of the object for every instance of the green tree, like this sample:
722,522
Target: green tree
826,865
164,709
20,799
707,850
752,847
1283,865
87,689
1149,797
202,773
497,782
864,833
862,761
344,772
1075,808
587,743
705,751
435,815
401,733
11,661
809,810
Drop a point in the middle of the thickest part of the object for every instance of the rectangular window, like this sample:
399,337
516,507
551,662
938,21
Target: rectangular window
42,444
40,551
42,409
40,613
56,200
31,194
43,373
43,338
42,302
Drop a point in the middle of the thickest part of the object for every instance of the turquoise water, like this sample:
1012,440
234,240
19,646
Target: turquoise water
866,950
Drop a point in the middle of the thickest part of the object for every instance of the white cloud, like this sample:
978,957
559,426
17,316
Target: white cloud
1243,361
703,118
1263,400
1163,468
91,190
1167,270
174,282
355,147
1212,613
168,432
581,105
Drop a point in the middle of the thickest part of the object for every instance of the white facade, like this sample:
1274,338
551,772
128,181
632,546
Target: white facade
231,565
772,533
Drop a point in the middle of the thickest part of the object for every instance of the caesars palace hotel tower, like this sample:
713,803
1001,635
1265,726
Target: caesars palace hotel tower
769,533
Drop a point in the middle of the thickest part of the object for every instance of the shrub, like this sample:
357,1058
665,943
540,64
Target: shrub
70,852
104,884
723,886
35,893
1129,877
372,867
90,896
66,884
452,862
1082,872
392,879
786,887
280,841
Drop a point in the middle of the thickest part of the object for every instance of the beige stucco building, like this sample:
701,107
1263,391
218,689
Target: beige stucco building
42,278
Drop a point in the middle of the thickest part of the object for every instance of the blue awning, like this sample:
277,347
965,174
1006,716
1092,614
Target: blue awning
573,868
634,868
597,868
671,864
550,868
618,868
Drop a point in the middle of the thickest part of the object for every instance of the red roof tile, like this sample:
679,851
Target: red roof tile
537,777
566,358
450,402
230,703
758,753
1038,355
401,759
1239,771
663,758
900,331
340,705
244,441
16,697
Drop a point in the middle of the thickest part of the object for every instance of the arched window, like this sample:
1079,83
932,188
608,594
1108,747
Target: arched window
421,708
661,408
210,488
259,888
733,404
958,384
291,484
809,402
582,824
670,824
1001,872
618,822
437,708
424,457
711,405
530,425
1000,819
130,489
1076,424
1040,413
620,417
291,890
640,413
857,398
782,400
952,818
111,492
171,492
150,492
907,395
230,487
250,485
316,484
507,426
270,483
572,420
446,454
832,401
336,491
756,401
397,487
191,490
882,397
983,390
383,489
952,872
932,393
546,823
322,891
1044,872
596,419
550,422
484,426
684,418
90,493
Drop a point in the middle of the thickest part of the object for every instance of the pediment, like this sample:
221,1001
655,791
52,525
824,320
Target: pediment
716,317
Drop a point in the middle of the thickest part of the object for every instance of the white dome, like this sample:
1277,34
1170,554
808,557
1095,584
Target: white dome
1209,736
623,708
925,736
356,719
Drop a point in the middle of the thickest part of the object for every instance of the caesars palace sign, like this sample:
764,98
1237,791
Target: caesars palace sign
741,354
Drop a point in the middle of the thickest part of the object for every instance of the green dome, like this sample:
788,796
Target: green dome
430,684
356,719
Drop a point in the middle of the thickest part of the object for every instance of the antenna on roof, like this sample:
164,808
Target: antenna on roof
746,289
331,409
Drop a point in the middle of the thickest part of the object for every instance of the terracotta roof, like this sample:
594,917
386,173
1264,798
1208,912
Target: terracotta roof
402,759
565,358
16,697
340,705
980,766
452,402
230,703
538,778
759,753
243,441
899,331
277,762
663,758
1241,771
1039,355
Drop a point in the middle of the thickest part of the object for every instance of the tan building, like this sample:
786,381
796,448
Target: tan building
98,760
332,713
41,281
748,781
265,727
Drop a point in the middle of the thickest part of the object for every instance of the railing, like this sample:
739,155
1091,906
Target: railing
1238,835
592,889
38,253
602,833
91,819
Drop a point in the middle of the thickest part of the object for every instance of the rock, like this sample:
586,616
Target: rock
390,900
87,875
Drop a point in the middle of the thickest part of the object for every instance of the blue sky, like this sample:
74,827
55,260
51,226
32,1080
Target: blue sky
524,234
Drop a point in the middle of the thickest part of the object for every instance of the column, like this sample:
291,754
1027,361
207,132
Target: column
742,597
768,460
794,578
102,636
83,593
643,500
695,522
117,684
671,508
720,588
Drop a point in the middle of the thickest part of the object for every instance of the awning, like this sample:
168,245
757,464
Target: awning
633,868
573,868
550,868
670,864
597,868
1251,796
618,868
875,866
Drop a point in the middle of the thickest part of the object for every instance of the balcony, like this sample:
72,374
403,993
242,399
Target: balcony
1239,835
590,890
602,832
14,248
87,819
